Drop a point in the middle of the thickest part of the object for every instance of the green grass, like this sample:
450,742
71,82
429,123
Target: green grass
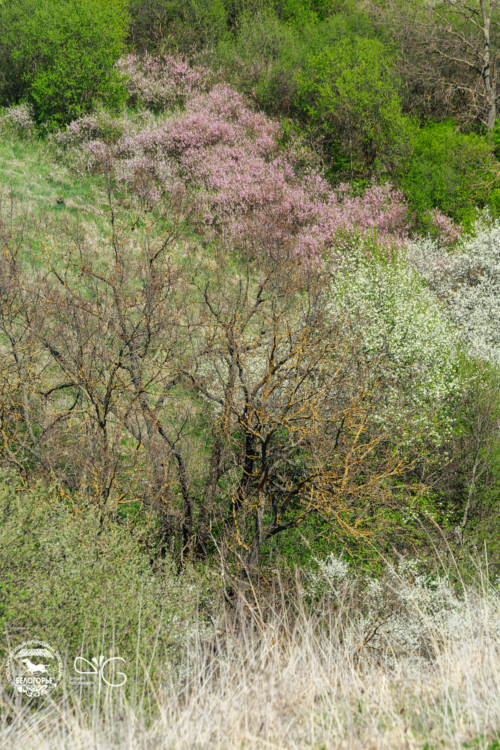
42,204
28,172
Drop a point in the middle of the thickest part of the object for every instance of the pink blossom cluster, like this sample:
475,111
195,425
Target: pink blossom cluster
99,127
244,184
449,232
20,117
159,82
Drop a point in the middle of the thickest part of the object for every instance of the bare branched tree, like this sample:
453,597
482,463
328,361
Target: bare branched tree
228,397
301,407
449,53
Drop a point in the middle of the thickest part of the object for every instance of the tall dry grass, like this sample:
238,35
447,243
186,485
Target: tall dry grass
330,675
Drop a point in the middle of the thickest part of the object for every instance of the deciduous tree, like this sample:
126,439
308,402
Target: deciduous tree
449,51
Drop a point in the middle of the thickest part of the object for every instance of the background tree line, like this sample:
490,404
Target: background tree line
402,91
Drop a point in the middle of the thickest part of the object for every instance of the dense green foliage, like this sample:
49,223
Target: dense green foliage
161,25
59,55
350,92
451,171
188,25
335,73
87,583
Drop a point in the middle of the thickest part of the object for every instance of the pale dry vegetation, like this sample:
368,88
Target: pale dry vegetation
290,677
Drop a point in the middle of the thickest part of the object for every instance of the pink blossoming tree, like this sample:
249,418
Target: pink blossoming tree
229,156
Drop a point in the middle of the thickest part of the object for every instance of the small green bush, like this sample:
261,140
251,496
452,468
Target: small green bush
84,584
350,91
59,56
450,171
262,60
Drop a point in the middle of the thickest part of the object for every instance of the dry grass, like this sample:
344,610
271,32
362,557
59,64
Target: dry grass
301,681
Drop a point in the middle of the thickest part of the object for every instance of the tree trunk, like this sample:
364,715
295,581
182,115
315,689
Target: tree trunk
489,76
492,115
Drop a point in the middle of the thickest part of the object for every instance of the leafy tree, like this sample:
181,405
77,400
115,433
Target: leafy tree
59,56
350,91
267,51
262,61
450,171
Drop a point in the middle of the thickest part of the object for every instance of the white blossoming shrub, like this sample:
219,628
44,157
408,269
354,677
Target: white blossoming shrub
333,568
413,615
400,321
405,614
330,576
467,281
408,613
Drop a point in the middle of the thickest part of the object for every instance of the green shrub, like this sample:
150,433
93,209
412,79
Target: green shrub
83,583
450,171
300,13
349,91
59,55
262,61
267,52
324,65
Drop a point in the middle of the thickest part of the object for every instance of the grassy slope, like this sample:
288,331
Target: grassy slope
51,197
28,173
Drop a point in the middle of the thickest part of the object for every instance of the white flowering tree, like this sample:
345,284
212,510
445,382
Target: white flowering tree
467,281
399,318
